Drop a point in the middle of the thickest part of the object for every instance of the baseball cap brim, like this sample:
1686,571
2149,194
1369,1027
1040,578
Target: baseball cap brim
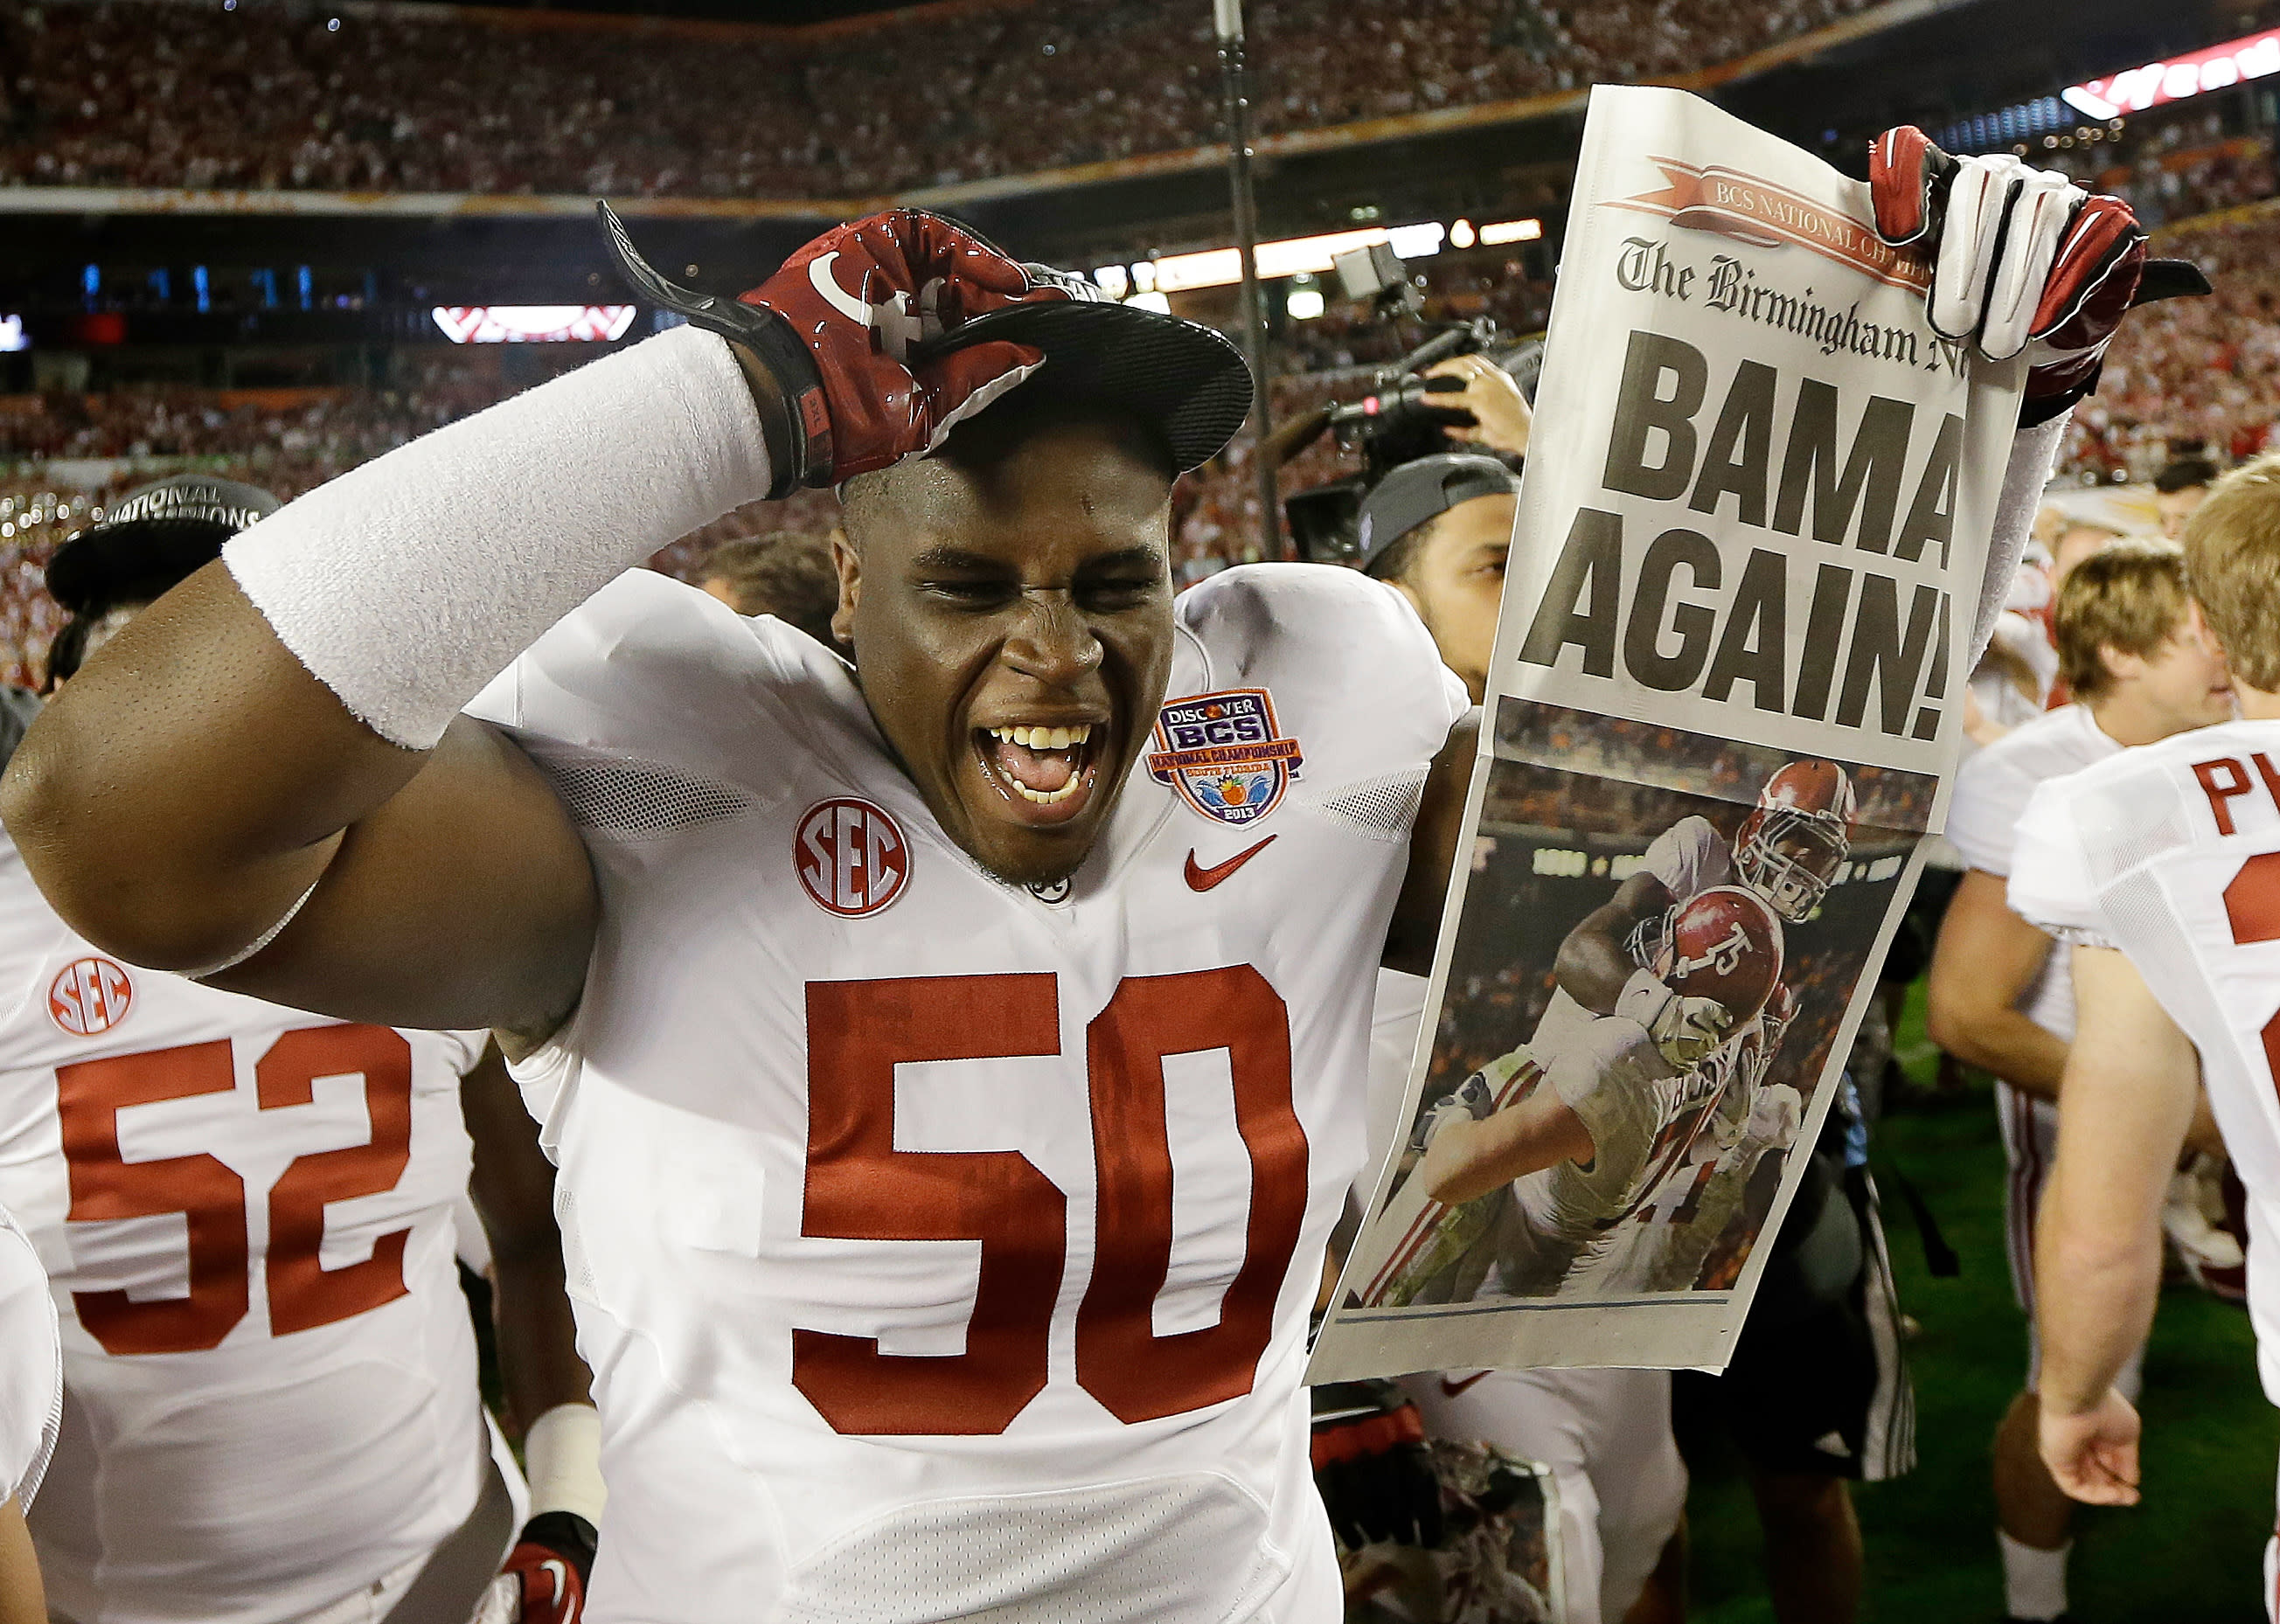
1185,380
153,539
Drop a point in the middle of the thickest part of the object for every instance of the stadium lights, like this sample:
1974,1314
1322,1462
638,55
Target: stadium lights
1304,303
1511,231
2174,79
1222,267
533,324
12,334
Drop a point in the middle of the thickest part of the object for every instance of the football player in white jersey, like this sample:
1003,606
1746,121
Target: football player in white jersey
31,1408
2161,865
1669,1009
271,1404
871,1010
2140,670
1439,530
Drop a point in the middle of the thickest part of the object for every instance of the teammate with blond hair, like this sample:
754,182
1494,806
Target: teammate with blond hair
2161,865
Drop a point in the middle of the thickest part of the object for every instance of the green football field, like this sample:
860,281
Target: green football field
2190,1553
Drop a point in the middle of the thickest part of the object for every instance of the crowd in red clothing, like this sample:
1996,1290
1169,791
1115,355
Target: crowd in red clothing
187,93
2192,370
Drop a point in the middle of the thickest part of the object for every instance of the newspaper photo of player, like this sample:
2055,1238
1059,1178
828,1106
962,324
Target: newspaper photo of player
1662,939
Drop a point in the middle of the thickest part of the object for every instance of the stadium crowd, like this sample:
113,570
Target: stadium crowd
100,95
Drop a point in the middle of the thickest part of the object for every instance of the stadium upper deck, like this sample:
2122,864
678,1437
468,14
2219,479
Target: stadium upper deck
243,94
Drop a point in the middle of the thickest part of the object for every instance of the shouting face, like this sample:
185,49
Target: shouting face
1011,613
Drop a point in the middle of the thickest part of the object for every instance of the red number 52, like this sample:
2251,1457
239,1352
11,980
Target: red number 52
303,1292
860,1187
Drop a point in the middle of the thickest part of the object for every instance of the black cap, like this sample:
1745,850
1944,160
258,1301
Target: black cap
1186,380
152,538
1424,489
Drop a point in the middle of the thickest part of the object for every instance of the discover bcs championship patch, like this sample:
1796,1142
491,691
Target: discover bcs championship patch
1223,755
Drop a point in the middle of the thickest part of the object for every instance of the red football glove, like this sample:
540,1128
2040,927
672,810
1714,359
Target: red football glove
836,328
2024,259
545,1579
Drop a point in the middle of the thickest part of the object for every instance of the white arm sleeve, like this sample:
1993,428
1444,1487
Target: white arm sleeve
2033,451
407,584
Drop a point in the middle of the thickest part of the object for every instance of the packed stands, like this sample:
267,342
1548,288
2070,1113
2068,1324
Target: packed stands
171,94
2193,371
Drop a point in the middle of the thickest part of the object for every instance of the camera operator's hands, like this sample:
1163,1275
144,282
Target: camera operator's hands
1499,412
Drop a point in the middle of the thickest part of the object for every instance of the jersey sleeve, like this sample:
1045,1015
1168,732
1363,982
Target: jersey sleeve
653,669
1353,673
1681,855
1983,817
31,1367
1607,1078
2051,887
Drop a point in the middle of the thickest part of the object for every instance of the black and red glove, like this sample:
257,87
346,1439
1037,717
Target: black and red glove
545,1579
1372,1468
2022,259
836,329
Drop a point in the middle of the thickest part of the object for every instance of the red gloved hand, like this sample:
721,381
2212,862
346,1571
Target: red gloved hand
545,1579
2024,259
836,327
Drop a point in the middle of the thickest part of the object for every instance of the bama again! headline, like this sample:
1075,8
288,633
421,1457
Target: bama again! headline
1678,617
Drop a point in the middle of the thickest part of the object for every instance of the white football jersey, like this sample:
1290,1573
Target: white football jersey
1648,1120
30,1367
2171,853
1992,792
244,1213
941,1247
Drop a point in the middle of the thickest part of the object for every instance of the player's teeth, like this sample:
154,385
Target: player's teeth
1044,738
1048,798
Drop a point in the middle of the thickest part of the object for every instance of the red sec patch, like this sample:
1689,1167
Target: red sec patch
852,856
91,995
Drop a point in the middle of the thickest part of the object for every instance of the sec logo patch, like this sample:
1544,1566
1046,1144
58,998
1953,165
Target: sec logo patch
852,856
90,996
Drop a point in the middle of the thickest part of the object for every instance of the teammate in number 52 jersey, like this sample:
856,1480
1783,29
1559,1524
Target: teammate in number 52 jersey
2160,865
245,1213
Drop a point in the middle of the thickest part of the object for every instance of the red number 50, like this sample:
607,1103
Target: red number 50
303,1292
860,1187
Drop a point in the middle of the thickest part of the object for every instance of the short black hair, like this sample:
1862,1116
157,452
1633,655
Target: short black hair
2184,473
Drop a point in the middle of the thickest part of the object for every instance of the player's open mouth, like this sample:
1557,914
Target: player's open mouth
1045,772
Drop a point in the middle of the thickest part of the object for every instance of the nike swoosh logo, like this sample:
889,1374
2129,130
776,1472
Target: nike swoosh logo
560,1571
1200,878
1451,1389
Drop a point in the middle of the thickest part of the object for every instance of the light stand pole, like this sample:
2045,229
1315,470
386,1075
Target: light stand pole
1227,18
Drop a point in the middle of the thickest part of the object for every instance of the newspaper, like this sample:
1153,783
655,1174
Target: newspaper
1724,706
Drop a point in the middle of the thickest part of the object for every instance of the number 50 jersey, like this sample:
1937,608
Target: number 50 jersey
941,1247
244,1213
2171,853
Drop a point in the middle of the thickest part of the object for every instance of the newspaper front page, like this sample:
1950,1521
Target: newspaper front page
1724,706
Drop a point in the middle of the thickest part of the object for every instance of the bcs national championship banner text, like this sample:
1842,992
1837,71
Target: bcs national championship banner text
1724,708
